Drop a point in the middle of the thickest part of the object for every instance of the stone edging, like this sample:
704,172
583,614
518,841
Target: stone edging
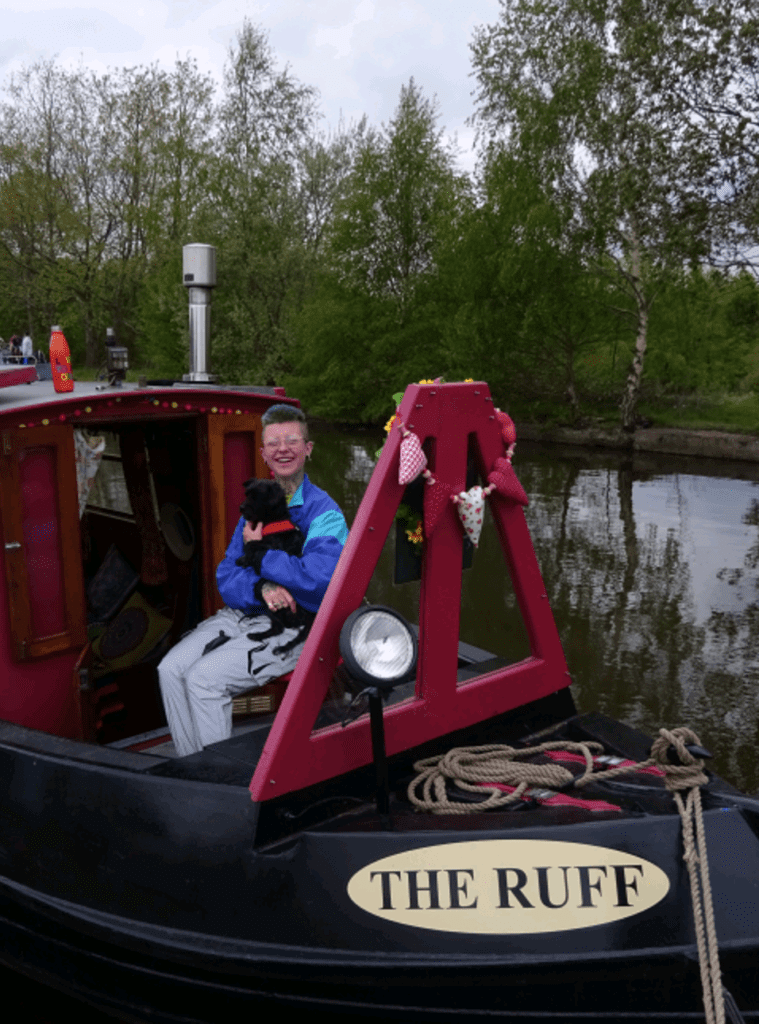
713,444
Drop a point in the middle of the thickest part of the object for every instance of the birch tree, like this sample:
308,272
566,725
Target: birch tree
575,88
710,81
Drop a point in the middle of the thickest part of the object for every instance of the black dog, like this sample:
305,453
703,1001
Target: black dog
265,502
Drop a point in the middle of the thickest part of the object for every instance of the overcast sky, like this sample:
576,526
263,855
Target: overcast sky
357,53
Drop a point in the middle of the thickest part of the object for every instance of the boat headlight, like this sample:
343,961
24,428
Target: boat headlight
378,646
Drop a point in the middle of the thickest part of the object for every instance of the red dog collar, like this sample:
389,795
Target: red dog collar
279,527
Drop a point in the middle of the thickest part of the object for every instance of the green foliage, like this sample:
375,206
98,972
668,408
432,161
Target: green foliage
93,170
401,189
703,333
353,352
522,307
162,318
274,183
579,91
373,323
618,160
731,413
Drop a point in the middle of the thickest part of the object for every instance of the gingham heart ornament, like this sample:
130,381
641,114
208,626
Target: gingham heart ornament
508,430
412,459
436,497
506,482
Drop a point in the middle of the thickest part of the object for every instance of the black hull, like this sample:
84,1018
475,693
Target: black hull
653,985
163,899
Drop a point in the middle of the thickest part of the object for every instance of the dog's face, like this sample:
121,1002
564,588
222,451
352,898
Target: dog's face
265,502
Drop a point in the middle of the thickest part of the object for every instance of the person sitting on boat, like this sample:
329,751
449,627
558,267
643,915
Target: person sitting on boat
200,676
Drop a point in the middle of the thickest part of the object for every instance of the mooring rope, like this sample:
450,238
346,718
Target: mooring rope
472,768
689,775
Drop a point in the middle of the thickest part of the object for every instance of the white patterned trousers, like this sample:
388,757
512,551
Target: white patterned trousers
198,689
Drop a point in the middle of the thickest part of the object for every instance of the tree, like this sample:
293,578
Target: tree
266,121
706,326
522,309
572,88
402,186
37,214
709,82
85,165
178,213
373,322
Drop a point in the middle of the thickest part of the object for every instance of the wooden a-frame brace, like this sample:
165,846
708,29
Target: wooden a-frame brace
295,756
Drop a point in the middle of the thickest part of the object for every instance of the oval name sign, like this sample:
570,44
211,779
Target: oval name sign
508,886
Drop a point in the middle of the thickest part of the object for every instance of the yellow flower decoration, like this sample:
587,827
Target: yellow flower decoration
390,422
416,536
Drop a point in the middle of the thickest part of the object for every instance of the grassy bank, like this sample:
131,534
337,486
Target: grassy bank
737,414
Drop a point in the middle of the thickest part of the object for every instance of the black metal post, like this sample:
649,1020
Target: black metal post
378,752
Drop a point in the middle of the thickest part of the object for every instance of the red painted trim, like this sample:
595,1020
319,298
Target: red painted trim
294,756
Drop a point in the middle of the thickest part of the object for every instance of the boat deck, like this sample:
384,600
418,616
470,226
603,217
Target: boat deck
20,389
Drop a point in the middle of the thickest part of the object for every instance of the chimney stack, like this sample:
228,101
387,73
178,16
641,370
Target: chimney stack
199,277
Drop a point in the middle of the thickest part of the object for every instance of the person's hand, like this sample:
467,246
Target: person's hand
251,532
277,597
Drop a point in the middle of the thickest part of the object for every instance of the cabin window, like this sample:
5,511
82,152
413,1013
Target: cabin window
109,491
89,453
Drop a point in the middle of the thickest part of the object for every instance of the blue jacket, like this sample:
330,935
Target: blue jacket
307,577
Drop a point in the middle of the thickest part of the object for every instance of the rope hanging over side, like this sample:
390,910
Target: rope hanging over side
472,768
689,775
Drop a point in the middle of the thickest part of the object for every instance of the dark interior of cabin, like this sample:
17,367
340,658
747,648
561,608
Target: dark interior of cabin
141,560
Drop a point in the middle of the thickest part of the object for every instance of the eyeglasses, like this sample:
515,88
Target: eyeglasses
287,442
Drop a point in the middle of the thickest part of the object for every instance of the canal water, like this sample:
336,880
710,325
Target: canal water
651,564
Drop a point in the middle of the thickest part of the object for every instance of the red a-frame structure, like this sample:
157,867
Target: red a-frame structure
294,755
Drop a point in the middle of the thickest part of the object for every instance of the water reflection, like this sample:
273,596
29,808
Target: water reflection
650,564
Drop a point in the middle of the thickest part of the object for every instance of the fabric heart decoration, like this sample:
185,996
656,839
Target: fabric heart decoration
471,506
508,430
505,481
413,460
436,496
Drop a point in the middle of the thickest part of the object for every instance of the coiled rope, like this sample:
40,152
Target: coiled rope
472,768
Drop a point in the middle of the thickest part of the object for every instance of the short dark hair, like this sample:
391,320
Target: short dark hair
282,413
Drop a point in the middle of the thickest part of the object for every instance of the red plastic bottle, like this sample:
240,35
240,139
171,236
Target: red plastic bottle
60,361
